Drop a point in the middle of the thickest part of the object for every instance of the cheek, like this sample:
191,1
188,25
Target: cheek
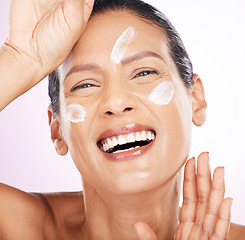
172,109
75,113
182,121
162,94
74,121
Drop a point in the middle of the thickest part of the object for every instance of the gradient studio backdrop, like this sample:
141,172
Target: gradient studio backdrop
214,35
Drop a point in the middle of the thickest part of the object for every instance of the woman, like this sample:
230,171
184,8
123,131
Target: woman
122,103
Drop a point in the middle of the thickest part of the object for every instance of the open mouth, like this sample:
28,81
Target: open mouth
126,142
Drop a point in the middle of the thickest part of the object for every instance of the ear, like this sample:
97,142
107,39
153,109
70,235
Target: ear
199,104
56,134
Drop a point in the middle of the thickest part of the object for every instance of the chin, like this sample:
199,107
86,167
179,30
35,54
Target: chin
135,181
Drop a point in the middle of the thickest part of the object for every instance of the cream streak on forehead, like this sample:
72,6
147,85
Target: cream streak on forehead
121,45
75,113
162,94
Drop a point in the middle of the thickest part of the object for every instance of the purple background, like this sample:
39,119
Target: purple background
214,35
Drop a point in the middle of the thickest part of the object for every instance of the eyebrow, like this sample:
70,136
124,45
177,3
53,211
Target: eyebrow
141,55
83,68
127,60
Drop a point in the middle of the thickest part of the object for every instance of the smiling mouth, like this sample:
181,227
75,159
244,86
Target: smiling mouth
126,142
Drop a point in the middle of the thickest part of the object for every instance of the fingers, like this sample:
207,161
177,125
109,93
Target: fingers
205,214
78,11
203,187
86,6
222,226
188,212
144,232
215,201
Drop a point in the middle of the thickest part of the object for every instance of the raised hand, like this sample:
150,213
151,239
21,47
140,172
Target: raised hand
42,33
45,31
205,214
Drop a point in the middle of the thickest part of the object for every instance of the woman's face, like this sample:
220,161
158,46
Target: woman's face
120,86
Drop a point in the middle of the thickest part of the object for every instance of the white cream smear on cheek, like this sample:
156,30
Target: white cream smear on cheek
75,113
162,94
121,45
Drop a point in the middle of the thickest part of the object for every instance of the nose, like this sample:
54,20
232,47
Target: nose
118,101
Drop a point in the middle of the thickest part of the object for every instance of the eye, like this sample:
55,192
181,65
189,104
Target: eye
145,73
82,86
145,76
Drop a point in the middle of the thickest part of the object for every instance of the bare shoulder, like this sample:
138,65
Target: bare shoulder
68,211
24,215
40,216
237,232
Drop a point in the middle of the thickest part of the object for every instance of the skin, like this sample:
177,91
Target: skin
117,193
108,107
28,45
81,139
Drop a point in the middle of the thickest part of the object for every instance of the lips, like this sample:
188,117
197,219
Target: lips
126,142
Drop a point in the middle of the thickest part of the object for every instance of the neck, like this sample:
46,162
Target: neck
113,217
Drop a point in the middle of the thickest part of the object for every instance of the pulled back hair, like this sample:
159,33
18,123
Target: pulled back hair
150,15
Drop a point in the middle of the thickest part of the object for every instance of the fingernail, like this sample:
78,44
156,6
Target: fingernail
139,234
194,159
208,156
134,228
208,160
223,170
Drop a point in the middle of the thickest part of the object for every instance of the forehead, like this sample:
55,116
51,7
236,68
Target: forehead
104,29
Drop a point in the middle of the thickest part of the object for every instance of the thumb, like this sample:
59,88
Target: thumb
144,232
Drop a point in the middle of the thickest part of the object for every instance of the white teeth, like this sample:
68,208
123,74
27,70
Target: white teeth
105,147
109,143
130,138
114,141
121,140
149,136
118,151
152,136
143,136
137,136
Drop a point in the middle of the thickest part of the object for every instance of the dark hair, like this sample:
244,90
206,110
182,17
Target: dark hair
151,15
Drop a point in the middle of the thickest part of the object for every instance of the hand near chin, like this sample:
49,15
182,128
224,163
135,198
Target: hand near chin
43,32
205,213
